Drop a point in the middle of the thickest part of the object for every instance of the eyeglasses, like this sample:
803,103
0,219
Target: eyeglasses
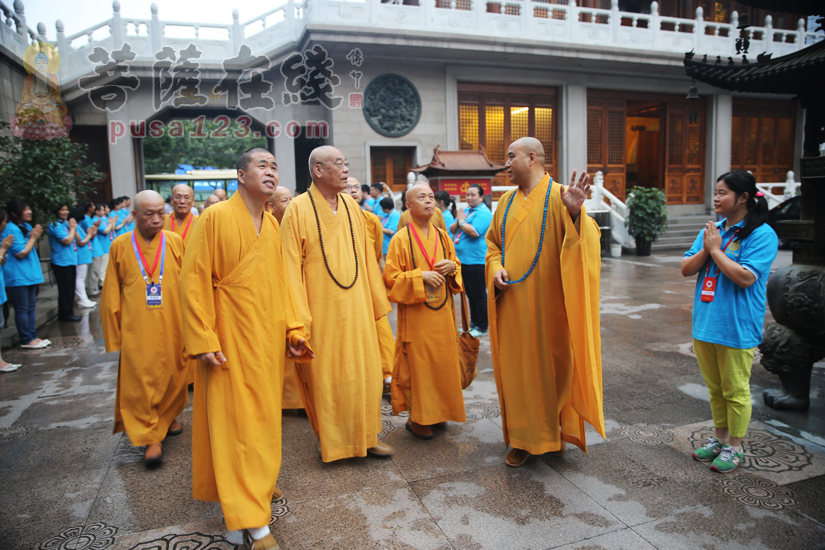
338,164
351,187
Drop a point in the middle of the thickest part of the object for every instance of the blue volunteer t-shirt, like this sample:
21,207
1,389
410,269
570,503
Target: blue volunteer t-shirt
62,254
121,215
735,316
473,250
2,289
84,253
374,204
86,224
448,221
389,221
103,241
21,271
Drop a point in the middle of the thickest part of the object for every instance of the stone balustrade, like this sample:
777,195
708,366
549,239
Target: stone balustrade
557,22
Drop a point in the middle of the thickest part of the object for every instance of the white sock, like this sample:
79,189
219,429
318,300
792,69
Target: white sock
259,533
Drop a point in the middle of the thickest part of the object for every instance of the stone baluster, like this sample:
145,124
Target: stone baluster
699,28
291,27
155,30
800,34
733,33
41,32
480,7
655,24
615,19
768,35
117,26
20,11
502,7
790,185
63,50
524,12
237,31
572,17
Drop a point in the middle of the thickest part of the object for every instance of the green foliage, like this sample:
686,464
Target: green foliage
648,215
45,174
162,155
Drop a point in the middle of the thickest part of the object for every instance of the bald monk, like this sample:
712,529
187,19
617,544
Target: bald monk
422,273
544,320
291,399
386,340
337,284
437,219
221,194
141,317
182,219
240,321
211,200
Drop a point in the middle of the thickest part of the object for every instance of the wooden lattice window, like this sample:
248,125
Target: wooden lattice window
763,138
493,116
606,142
391,165
684,165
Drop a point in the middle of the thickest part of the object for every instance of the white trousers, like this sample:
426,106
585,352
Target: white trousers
97,273
80,282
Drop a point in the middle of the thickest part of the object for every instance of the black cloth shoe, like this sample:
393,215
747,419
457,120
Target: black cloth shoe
72,319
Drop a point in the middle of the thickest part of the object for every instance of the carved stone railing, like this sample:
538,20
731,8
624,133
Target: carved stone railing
790,188
602,200
561,23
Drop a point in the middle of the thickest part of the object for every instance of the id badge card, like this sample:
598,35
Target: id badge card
708,289
153,296
433,294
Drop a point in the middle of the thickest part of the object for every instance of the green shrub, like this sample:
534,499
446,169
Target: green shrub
647,218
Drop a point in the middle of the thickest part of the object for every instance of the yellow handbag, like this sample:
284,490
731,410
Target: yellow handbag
467,348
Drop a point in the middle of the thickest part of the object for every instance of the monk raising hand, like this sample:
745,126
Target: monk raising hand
574,196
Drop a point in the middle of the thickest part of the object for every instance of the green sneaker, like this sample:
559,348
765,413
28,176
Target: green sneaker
708,451
727,461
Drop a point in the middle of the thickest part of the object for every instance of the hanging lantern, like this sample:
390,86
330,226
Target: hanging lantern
693,92
693,95
744,22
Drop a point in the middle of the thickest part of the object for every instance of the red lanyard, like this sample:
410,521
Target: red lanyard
421,245
151,272
188,225
707,268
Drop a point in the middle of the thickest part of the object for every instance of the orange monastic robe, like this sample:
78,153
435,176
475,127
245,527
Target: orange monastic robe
544,331
151,375
426,378
386,339
236,298
184,230
437,220
342,386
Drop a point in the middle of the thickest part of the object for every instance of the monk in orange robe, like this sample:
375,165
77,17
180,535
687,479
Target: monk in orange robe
338,287
422,274
437,220
141,317
386,340
543,303
240,320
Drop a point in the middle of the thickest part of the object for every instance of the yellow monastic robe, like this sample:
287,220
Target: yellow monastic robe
236,298
151,376
544,331
184,230
341,387
437,220
386,340
426,378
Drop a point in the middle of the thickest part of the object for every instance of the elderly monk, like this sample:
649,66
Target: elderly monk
211,200
279,201
141,317
221,194
542,275
241,321
386,340
437,219
422,273
182,219
334,272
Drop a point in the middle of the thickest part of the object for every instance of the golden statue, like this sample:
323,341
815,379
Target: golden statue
41,114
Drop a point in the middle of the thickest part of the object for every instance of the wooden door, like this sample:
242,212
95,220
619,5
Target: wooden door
685,153
606,142
763,138
391,165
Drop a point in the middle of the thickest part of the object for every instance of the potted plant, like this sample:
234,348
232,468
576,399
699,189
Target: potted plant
647,217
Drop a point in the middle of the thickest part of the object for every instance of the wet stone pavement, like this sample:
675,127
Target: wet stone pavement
68,483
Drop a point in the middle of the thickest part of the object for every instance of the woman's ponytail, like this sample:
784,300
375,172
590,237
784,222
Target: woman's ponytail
741,182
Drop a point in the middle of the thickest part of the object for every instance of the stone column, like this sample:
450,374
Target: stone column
573,131
285,155
720,132
121,154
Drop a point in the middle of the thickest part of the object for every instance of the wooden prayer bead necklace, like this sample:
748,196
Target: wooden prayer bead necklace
541,240
321,238
412,253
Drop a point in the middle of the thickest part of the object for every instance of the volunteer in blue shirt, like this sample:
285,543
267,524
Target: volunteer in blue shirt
733,260
124,217
446,204
102,241
22,272
86,231
389,224
5,244
470,230
373,203
62,233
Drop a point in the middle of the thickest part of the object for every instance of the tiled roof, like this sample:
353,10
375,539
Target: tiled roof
463,162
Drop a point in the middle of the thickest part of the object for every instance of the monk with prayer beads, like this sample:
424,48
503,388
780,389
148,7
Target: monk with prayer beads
422,274
240,320
181,219
340,292
543,263
141,317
